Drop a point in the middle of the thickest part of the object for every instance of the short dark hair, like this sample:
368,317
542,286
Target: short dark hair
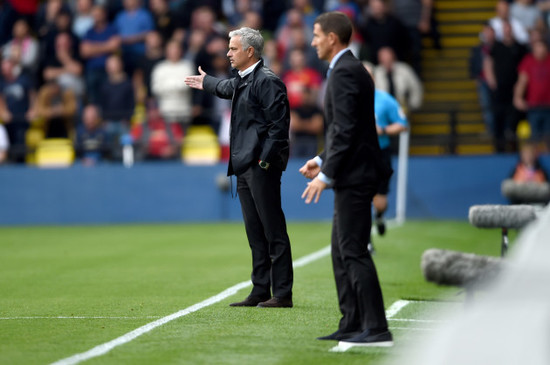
337,23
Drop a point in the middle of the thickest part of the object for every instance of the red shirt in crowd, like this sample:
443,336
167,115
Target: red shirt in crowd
297,81
538,86
25,6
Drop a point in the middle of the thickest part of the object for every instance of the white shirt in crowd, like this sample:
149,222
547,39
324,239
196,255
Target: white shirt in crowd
168,86
408,87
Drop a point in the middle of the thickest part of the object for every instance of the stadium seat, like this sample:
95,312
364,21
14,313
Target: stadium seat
34,135
200,146
55,152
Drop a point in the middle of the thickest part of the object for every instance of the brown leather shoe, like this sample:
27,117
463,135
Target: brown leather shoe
250,301
276,303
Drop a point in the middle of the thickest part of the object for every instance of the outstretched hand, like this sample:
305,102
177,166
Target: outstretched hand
196,82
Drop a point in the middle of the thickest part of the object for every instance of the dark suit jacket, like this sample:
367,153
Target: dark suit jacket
352,153
260,118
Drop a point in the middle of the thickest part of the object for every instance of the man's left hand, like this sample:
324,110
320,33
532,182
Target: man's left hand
313,191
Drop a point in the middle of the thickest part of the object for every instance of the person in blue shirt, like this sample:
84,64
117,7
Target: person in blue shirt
132,24
97,45
390,121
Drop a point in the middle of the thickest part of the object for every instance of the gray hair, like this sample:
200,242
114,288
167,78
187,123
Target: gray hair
250,38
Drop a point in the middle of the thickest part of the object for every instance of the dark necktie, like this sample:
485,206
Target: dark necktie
391,86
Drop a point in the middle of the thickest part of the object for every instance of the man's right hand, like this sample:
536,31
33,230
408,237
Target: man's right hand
310,169
196,81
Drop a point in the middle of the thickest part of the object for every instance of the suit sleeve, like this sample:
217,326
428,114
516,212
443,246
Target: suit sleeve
276,110
221,88
344,99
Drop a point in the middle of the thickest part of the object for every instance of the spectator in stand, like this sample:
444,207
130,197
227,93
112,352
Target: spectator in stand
503,16
295,22
544,7
154,53
16,97
65,69
98,43
252,19
57,108
478,56
299,78
416,16
538,34
383,29
309,13
13,10
203,31
501,73
532,91
4,145
62,24
83,17
187,8
169,88
117,103
398,79
165,20
271,52
45,17
348,7
306,126
157,139
299,41
529,168
91,138
132,25
195,41
244,9
234,11
22,48
527,13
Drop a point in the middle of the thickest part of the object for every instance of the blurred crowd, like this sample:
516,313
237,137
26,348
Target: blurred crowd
104,73
512,68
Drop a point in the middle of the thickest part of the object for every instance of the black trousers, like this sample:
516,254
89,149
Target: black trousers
260,196
359,293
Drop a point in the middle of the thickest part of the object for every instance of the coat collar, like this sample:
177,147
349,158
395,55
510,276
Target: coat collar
250,76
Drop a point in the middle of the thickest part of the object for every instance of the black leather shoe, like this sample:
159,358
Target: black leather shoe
338,336
250,301
370,338
276,303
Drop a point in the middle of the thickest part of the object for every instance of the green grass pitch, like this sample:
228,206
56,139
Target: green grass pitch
105,281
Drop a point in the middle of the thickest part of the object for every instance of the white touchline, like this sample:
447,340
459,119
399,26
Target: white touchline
396,307
108,346
311,257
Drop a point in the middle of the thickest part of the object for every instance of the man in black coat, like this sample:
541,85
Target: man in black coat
351,163
259,149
